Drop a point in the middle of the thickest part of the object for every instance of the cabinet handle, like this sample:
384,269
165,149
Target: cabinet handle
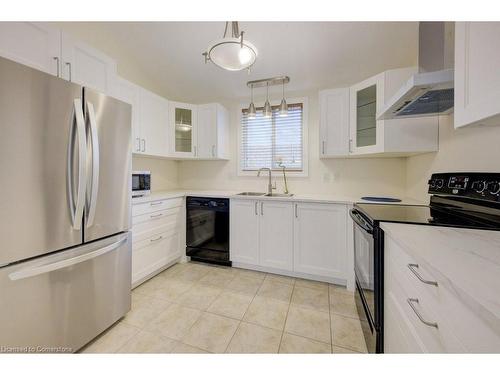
155,203
155,216
323,147
57,64
195,151
350,145
143,145
296,212
138,145
262,208
68,64
256,212
156,239
411,302
213,151
412,267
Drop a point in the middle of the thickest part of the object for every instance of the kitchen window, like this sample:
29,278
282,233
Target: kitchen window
274,142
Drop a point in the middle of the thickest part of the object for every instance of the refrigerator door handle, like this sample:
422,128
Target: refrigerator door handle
93,181
30,272
76,208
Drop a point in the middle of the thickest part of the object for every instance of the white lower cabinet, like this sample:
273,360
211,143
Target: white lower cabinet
276,235
244,235
420,316
156,232
320,239
308,240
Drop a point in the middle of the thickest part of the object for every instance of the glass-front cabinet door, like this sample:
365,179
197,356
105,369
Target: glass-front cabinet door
183,122
366,99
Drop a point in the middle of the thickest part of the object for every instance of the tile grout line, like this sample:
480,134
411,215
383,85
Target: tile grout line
241,320
286,318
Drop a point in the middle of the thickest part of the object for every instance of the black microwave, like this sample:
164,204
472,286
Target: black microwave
141,183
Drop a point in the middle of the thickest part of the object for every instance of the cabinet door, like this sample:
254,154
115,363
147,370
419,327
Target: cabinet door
477,82
366,99
206,129
86,66
244,231
334,122
33,44
129,93
183,129
320,239
276,235
154,124
222,147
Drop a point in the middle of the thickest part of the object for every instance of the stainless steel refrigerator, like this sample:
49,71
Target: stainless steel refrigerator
65,200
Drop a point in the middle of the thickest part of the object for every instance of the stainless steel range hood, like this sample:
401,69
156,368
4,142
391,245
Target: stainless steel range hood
430,91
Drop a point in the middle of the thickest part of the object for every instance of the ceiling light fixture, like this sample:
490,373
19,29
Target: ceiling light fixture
252,113
268,112
231,52
283,110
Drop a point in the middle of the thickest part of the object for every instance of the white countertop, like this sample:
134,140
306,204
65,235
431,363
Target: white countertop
467,259
319,198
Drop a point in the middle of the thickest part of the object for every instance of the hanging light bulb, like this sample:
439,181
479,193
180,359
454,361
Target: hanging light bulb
252,113
283,111
267,107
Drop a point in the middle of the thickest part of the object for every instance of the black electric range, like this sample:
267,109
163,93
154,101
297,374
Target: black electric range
465,200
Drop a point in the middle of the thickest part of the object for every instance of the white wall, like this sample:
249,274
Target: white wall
353,177
470,149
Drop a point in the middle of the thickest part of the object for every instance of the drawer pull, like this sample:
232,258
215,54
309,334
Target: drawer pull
155,216
156,239
156,203
412,267
411,302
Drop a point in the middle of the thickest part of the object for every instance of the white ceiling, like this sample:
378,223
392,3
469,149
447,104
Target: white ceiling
315,55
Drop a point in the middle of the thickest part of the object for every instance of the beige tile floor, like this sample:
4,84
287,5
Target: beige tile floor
198,308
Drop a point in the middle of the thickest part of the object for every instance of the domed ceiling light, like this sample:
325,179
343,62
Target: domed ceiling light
232,52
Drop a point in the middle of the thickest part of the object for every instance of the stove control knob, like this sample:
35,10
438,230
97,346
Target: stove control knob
493,187
439,183
478,186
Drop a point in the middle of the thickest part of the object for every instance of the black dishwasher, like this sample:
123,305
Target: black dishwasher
207,230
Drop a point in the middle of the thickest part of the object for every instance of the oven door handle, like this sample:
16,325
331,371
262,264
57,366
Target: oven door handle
358,219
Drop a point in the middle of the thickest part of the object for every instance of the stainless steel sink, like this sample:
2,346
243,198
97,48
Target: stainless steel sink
278,195
251,194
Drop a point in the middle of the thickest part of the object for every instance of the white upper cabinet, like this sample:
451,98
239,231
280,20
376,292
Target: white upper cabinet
477,78
334,122
320,239
33,44
130,93
154,128
212,129
182,133
276,235
369,136
85,65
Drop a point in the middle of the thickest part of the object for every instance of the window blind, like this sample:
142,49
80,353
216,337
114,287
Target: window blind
267,142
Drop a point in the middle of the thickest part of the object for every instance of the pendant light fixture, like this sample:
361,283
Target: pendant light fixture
252,113
268,112
231,52
283,110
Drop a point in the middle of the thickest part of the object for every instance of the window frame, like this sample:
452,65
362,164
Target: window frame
305,136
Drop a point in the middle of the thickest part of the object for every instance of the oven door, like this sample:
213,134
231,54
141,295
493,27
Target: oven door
364,270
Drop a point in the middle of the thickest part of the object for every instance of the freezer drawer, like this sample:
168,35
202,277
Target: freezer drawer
62,301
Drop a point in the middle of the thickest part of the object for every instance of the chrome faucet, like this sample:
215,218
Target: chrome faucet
284,177
270,185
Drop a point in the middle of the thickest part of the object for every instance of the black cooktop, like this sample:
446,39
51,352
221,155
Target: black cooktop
467,200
